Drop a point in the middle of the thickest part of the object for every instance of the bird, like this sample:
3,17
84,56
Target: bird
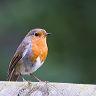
30,55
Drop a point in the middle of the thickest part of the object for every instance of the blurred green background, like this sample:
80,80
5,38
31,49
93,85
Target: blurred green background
72,45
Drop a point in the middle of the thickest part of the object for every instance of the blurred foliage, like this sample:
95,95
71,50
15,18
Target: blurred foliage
72,48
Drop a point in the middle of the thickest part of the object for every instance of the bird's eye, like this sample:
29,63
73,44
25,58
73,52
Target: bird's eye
36,34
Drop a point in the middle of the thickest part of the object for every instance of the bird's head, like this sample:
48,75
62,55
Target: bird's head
38,33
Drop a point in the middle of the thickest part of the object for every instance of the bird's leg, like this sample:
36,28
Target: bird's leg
22,78
36,77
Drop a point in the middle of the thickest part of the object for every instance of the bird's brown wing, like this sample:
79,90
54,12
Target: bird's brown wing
15,59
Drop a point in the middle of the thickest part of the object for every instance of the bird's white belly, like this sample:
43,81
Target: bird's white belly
30,68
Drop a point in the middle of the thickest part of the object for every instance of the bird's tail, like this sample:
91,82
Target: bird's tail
13,76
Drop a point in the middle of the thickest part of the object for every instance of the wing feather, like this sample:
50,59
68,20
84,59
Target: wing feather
16,57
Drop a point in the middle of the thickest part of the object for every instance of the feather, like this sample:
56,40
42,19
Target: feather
16,58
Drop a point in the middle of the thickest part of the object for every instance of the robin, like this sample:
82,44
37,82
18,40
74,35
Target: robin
30,54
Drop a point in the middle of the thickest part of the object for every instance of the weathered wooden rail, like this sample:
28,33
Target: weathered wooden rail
45,89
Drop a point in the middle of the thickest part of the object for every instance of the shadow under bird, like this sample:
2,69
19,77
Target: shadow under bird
30,55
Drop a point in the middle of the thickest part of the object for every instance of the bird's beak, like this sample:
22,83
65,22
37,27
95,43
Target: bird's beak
48,34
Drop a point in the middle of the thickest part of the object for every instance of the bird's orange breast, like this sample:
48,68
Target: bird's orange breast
39,48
